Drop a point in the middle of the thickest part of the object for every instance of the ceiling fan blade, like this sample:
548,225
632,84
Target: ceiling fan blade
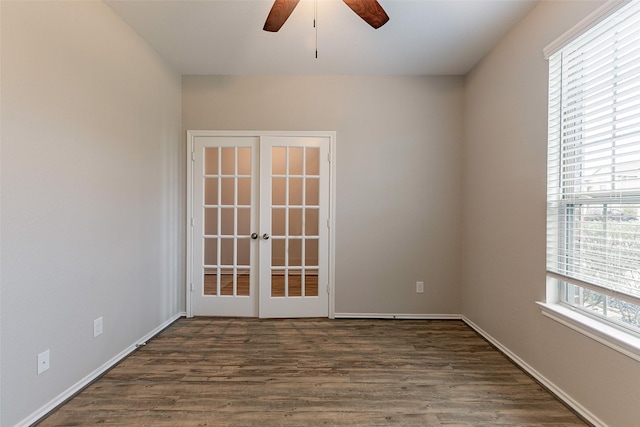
279,14
369,10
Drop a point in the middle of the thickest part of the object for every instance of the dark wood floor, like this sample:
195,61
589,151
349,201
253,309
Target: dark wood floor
311,372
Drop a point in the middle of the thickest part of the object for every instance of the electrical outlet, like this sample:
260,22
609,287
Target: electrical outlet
419,287
43,361
97,327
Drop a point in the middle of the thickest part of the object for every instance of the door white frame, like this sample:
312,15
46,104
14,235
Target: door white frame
192,134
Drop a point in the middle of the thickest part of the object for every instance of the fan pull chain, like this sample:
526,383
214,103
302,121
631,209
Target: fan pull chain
315,23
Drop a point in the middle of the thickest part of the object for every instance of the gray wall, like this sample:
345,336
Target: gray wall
93,179
398,174
91,213
504,199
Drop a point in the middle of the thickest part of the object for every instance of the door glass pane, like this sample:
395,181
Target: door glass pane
226,281
312,195
295,252
277,284
311,284
295,222
211,191
228,161
277,252
295,160
227,221
313,161
227,218
311,220
242,282
278,191
311,253
210,251
295,191
210,221
278,222
278,160
244,221
211,161
244,191
226,251
244,161
295,201
295,284
211,282
228,191
244,246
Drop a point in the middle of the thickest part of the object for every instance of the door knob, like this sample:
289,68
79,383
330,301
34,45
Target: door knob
254,236
265,236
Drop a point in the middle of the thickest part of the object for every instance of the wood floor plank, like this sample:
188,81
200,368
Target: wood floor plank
310,372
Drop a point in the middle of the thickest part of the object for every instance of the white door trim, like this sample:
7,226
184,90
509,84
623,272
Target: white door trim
192,134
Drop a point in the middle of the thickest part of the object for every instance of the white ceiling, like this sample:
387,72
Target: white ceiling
424,37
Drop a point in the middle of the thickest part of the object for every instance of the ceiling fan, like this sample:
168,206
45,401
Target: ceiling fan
369,10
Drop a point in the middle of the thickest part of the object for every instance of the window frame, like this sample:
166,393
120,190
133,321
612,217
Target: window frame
617,335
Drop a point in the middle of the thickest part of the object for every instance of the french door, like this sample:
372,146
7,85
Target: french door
260,226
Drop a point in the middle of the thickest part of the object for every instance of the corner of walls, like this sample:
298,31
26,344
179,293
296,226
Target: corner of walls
1,118
397,174
504,231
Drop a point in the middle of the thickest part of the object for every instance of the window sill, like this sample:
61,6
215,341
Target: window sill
614,338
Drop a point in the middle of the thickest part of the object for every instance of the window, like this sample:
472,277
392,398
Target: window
593,202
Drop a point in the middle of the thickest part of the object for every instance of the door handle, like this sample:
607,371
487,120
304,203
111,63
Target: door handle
254,236
265,236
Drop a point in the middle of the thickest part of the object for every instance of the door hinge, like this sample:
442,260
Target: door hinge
191,286
329,223
329,157
192,221
193,156
328,290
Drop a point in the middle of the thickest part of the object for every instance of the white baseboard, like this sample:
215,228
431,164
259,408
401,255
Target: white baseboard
584,412
71,391
559,393
397,316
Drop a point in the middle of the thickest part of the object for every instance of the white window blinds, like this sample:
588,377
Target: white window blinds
593,209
